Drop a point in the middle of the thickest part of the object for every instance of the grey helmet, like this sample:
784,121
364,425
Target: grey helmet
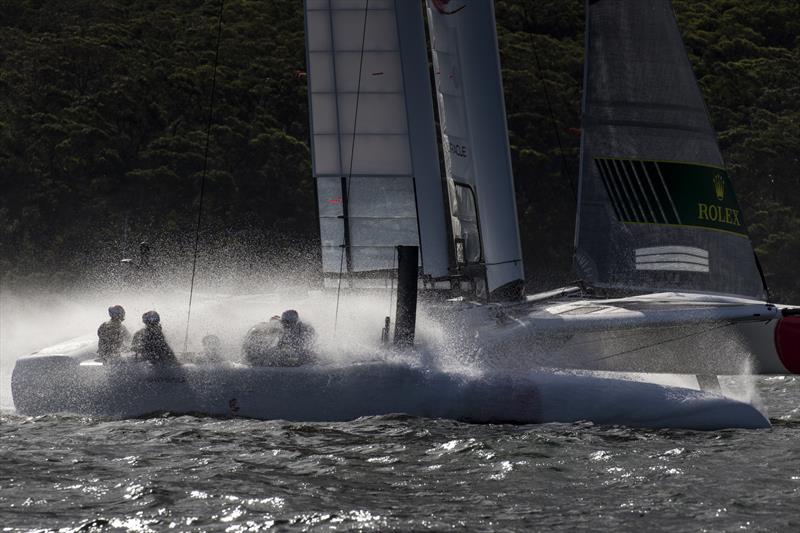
211,343
116,311
151,318
290,317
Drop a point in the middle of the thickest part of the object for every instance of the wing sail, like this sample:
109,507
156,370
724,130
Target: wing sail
475,144
373,137
657,210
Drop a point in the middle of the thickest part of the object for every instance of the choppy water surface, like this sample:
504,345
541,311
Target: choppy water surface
188,473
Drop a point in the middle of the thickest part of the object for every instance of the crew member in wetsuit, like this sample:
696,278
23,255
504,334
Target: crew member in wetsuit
295,347
149,343
212,351
260,342
112,336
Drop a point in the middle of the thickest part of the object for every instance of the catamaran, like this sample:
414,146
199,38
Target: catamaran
661,248
669,281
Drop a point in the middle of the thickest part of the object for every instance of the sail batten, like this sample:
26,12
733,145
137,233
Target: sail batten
652,174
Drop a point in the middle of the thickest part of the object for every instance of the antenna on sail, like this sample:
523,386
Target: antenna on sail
203,176
345,243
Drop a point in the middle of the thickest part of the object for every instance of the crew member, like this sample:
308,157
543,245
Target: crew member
112,336
297,340
149,343
260,342
212,351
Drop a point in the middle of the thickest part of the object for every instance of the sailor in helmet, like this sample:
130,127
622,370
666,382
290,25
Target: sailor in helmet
112,336
284,341
260,341
149,343
296,345
212,351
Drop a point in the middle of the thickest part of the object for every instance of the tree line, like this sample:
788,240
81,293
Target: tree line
104,109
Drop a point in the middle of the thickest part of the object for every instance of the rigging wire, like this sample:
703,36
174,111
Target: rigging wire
205,171
666,341
352,152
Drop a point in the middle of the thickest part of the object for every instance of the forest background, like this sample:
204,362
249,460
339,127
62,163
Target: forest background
104,108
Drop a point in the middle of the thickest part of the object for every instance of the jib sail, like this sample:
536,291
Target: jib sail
657,209
373,137
475,144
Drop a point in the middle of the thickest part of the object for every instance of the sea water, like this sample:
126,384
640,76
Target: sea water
64,472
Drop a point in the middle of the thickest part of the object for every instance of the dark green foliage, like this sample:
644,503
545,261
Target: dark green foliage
104,107
104,116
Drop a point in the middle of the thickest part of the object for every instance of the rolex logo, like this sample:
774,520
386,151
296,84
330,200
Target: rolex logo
719,187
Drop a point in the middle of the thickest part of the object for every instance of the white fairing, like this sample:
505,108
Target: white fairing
688,333
474,135
373,139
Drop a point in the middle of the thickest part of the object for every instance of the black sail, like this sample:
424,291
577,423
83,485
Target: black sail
657,210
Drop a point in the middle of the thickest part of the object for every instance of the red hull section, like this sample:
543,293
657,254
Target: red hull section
787,342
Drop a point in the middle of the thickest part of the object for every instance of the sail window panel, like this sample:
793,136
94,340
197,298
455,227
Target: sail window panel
383,231
382,198
377,113
326,155
332,260
348,31
380,72
323,114
376,155
467,216
320,72
331,231
318,32
330,199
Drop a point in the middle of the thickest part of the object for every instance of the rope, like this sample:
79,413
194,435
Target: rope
203,177
352,151
666,341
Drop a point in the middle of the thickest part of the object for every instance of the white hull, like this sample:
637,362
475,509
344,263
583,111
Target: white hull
51,384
